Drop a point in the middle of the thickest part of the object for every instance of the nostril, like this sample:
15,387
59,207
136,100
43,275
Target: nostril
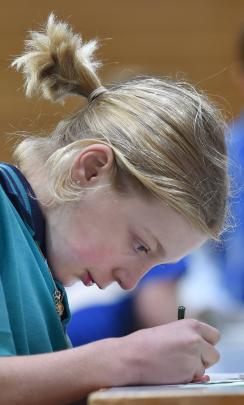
121,284
125,281
125,285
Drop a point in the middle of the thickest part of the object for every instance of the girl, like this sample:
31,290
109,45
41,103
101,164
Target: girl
136,178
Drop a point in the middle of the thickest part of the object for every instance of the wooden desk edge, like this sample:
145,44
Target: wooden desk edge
105,397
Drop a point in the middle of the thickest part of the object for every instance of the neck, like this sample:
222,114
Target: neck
36,180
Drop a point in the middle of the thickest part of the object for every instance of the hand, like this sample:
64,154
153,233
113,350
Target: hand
178,352
201,379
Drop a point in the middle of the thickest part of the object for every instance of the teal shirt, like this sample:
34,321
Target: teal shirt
29,323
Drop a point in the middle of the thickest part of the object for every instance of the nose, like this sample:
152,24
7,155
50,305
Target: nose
127,285
128,279
130,271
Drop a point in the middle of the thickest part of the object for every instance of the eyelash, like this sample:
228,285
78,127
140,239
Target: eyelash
144,248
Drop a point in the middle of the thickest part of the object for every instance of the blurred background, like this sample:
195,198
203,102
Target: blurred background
191,39
194,40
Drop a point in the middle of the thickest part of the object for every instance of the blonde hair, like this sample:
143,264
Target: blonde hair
167,137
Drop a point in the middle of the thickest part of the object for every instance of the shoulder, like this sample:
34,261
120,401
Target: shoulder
5,203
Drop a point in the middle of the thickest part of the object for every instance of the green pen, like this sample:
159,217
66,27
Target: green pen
181,312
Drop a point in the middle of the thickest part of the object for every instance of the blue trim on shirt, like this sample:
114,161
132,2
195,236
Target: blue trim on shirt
22,196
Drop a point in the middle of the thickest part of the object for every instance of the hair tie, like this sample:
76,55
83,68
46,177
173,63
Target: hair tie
97,92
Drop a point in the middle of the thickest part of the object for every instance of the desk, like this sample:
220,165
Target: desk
216,394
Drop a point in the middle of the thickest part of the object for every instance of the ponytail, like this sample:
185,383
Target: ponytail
57,63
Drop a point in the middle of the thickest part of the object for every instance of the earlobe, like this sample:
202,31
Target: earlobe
93,163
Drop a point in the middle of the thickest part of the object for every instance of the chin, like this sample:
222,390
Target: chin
69,283
65,280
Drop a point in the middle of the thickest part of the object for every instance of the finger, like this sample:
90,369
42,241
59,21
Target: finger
209,333
210,355
201,378
199,374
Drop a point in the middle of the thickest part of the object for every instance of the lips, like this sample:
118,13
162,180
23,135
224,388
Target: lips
88,281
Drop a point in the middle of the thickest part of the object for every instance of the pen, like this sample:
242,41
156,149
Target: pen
181,312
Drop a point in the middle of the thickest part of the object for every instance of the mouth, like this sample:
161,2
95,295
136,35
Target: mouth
88,280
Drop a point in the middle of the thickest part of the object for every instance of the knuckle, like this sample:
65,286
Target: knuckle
195,340
194,324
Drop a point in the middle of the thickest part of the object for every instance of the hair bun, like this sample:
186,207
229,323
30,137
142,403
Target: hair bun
57,63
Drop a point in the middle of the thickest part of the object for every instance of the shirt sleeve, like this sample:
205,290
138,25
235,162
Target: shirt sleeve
7,347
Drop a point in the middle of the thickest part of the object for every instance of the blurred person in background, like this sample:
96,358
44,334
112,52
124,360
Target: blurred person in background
115,313
214,284
229,255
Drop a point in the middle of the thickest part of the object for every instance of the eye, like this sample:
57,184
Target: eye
139,247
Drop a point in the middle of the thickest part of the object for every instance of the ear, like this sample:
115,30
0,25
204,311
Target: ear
95,162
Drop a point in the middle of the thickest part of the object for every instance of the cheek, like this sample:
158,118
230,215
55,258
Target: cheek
102,255
92,254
